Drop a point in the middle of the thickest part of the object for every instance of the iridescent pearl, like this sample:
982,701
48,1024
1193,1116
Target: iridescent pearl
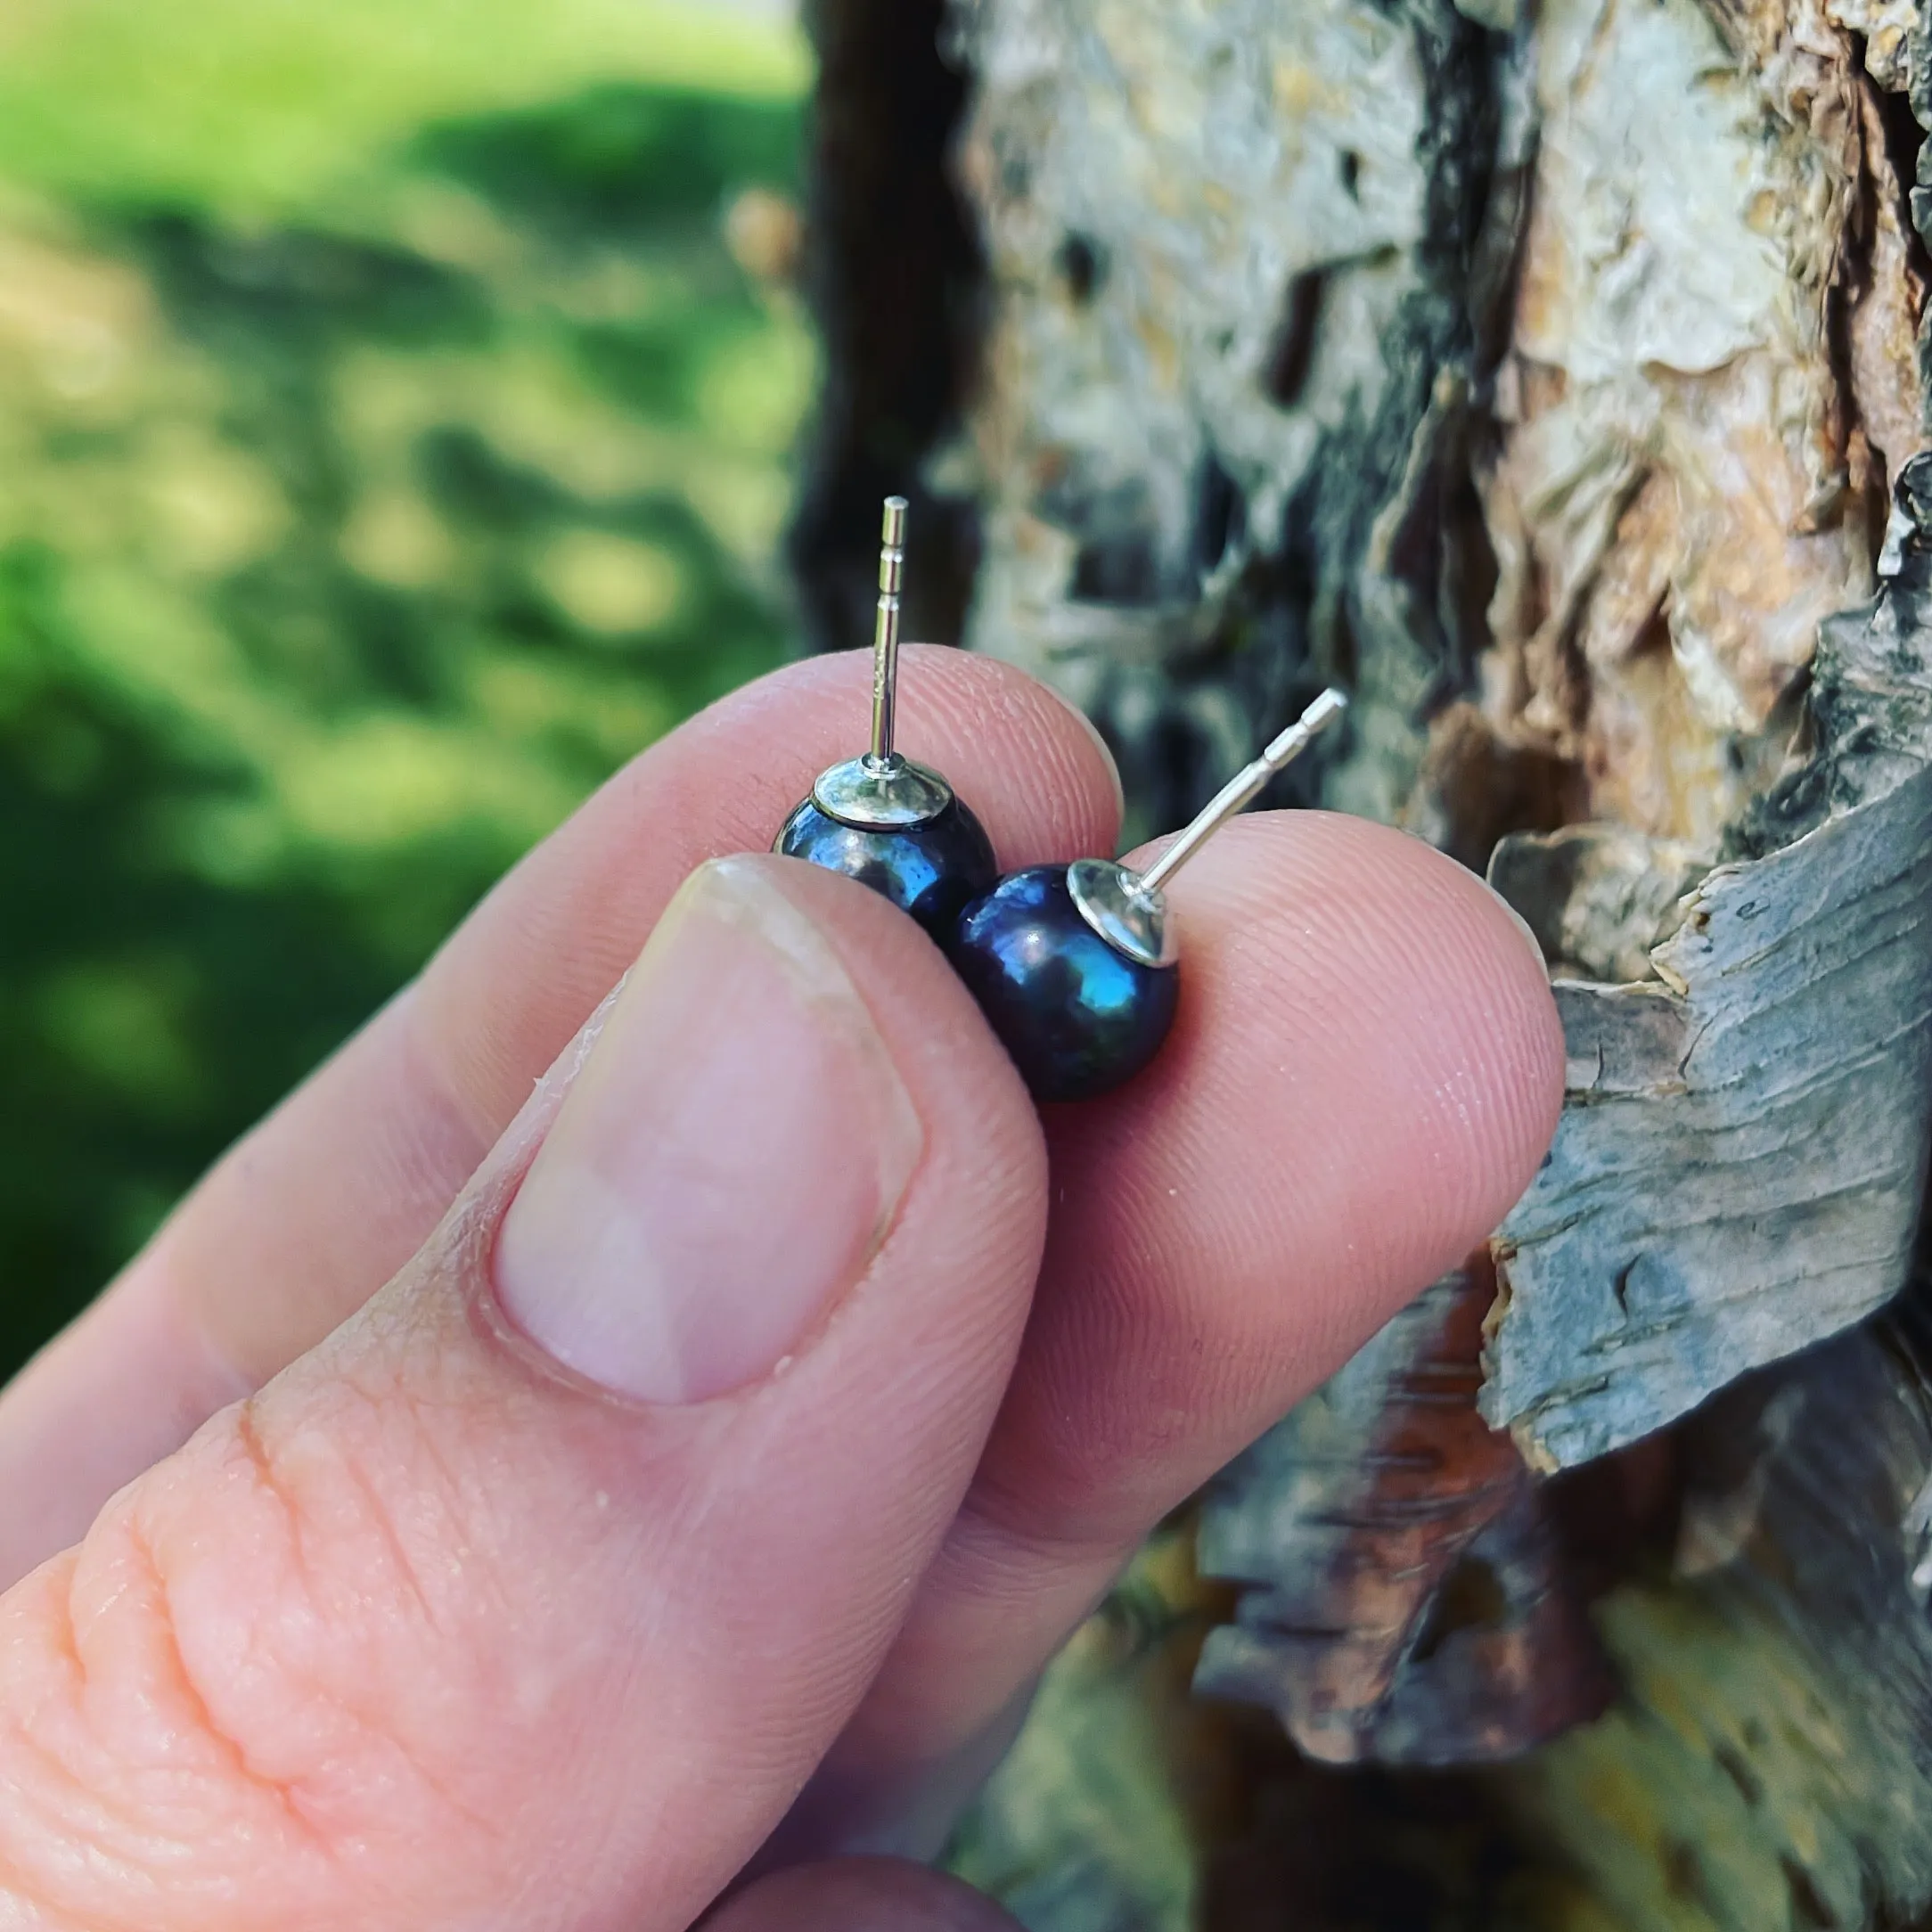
1079,1017
930,871
1075,966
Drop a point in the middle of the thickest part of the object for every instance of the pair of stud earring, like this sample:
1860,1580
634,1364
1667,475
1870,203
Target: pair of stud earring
1075,967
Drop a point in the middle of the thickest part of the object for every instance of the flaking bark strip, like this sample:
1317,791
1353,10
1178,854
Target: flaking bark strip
1740,1171
1407,1600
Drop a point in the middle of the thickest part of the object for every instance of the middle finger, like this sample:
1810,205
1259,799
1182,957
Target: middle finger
1366,1068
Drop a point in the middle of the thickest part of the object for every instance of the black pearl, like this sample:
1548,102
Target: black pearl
930,870
1079,1017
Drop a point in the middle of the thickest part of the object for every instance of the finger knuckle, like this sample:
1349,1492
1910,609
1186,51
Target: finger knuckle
238,1686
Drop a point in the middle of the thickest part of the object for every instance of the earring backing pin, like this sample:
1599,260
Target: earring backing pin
881,790
1129,909
886,634
1245,787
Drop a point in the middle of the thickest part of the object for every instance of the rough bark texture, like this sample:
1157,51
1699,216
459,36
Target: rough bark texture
1411,1601
1225,392
894,276
1547,374
1740,1167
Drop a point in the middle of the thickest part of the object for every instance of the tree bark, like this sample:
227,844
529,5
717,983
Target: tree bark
1551,376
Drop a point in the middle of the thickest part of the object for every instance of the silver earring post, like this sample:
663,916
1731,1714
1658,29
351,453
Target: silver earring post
1129,909
886,634
880,791
1245,787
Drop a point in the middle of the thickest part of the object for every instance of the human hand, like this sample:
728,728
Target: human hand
748,1415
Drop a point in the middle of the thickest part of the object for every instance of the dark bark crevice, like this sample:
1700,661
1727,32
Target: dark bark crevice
894,277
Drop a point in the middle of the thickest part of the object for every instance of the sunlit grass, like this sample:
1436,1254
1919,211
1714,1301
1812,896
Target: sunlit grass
390,445
259,108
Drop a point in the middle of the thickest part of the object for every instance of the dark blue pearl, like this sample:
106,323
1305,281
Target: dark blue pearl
1078,1017
930,871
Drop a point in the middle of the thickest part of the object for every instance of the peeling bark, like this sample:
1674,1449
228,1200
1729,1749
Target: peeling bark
1547,375
1742,1160
1216,461
1416,1606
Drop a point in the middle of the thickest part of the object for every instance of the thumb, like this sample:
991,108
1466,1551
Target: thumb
533,1595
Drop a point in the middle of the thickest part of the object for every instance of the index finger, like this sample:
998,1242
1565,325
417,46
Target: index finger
305,1217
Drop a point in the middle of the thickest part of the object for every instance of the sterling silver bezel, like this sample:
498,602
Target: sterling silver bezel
891,794
1129,914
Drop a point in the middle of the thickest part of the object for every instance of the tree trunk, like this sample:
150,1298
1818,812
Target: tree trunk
1552,380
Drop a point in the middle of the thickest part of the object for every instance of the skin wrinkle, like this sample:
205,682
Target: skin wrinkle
162,1620
462,1496
88,1859
371,1734
481,1415
377,1515
19,1896
54,1771
246,1440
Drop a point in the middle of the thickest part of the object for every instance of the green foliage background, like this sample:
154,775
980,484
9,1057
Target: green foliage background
389,446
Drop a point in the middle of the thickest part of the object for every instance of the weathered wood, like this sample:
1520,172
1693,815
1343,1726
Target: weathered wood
1741,1163
1692,422
1414,1604
1544,373
1234,254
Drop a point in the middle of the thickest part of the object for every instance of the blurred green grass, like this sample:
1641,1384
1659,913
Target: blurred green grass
389,446
266,109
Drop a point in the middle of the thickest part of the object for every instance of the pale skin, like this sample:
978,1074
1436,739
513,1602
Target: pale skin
575,1454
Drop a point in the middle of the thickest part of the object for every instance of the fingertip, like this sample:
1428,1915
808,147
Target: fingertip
1061,799
1363,1074
1488,988
1392,953
1455,965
